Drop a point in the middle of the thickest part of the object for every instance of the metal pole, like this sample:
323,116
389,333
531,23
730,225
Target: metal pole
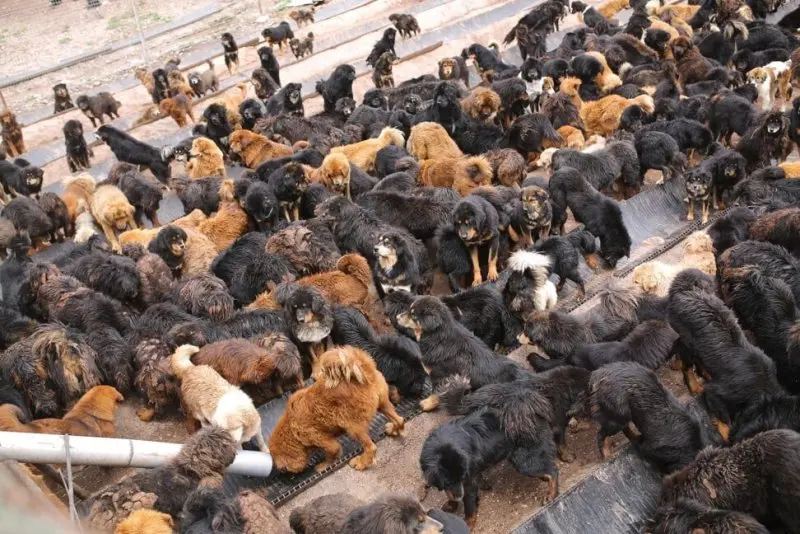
3,100
50,449
141,34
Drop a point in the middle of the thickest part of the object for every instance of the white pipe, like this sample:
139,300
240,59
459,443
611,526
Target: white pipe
50,449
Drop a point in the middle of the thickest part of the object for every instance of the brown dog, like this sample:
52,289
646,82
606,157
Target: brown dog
238,361
482,104
347,393
92,415
146,521
146,78
334,174
363,153
178,107
179,85
227,225
429,140
254,149
12,134
302,17
77,195
692,66
206,159
462,174
111,209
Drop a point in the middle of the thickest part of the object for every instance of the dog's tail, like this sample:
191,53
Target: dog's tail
182,359
210,66
510,36
479,170
10,418
391,136
645,102
452,393
494,46
342,366
227,189
356,266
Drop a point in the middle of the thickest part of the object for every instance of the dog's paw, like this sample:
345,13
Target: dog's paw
429,404
145,414
359,463
393,429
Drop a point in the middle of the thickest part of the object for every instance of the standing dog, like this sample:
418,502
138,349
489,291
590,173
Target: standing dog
78,151
94,107
113,212
231,52
62,99
12,134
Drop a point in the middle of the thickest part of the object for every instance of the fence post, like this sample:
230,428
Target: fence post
3,100
141,34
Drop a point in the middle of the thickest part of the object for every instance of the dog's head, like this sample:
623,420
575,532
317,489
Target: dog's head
447,68
173,238
203,147
698,242
570,86
445,467
344,73
294,45
293,94
169,106
336,172
227,39
82,102
60,90
681,46
252,110
73,129
375,98
385,62
534,203
425,316
241,140
389,35
261,204
386,249
216,115
160,76
117,214
467,221
309,315
758,76
33,176
412,104
698,182
487,103
345,106
644,277
775,124
265,53
445,96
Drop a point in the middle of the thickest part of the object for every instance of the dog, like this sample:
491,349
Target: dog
698,187
140,192
211,400
288,100
270,63
476,222
62,99
302,48
206,160
765,80
263,84
204,82
766,141
130,150
454,68
77,195
178,107
11,134
254,149
146,520
94,107
302,16
463,174
649,344
210,508
565,252
362,154
146,78
406,25
338,85
482,104
179,85
78,152
429,140
231,52
343,375
112,211
169,244
280,35
55,208
20,179
382,75
777,227
687,515
615,167
92,415
384,44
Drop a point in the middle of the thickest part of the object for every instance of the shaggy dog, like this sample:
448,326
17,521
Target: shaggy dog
140,192
231,52
178,107
201,460
170,245
115,276
279,34
462,174
335,174
533,218
308,246
363,154
429,140
203,194
602,116
94,107
92,415
692,66
254,149
304,47
11,134
261,206
28,217
420,215
206,159
624,393
508,166
565,253
780,228
448,349
731,229
339,85
61,97
659,151
615,167
205,296
302,16
601,215
145,77
482,104
270,63
112,211
476,222
406,25
218,126
204,82
52,367
223,228
77,151
382,75
766,141
178,85
728,478
454,68
288,100
650,344
396,267
131,150
18,178
486,63
685,515
384,44
348,378
527,288
209,399
772,260
252,279
146,521
251,111
324,515
77,195
211,509
288,183
160,85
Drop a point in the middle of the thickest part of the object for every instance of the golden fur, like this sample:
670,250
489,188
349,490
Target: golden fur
573,137
191,221
238,361
347,393
207,159
178,107
607,81
112,211
232,101
208,398
655,277
462,174
334,174
429,140
658,24
146,78
602,116
482,103
671,17
255,149
227,225
200,253
77,195
791,168
146,521
363,153
179,85
611,7
698,253
92,415
684,11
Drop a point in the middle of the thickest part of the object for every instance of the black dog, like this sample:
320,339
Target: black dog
62,99
565,253
616,166
650,344
218,127
143,195
270,63
731,229
231,52
263,84
730,114
20,178
130,150
659,151
766,141
302,48
407,25
55,208
251,111
170,246
685,515
384,44
339,85
601,215
77,151
261,205
288,100
476,222
94,107
280,35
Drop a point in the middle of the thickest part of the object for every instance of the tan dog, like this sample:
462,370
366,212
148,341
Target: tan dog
482,104
206,159
254,149
602,116
347,392
179,85
227,225
655,277
611,7
112,211
334,174
607,81
146,78
363,153
211,400
698,253
178,107
77,195
429,140
146,521
462,174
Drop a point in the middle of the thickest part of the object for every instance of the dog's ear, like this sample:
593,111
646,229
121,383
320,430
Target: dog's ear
284,291
429,319
453,462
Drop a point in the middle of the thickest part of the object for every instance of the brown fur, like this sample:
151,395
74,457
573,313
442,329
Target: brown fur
602,116
692,66
429,140
113,212
146,521
363,153
308,251
611,7
207,159
237,360
482,103
154,378
347,393
573,137
92,415
462,174
146,78
607,81
178,107
77,195
12,134
684,11
255,149
508,166
791,168
143,236
179,85
200,253
302,16
232,101
288,362
698,253
671,17
349,285
227,225
334,174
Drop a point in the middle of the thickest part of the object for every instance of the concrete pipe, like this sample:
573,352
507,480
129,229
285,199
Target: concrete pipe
112,452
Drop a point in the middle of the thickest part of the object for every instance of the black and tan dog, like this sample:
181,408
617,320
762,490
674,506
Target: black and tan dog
406,25
78,151
383,76
231,52
476,222
278,35
62,99
302,47
698,188
12,134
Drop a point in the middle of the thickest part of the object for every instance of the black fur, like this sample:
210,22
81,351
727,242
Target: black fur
131,150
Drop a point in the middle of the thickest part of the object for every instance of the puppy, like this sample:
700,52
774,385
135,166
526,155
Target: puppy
253,149
302,48
11,134
454,68
231,52
565,252
280,35
211,400
406,25
169,244
20,178
61,97
178,107
345,396
204,82
77,151
112,211
382,75
302,16
92,415
206,160
94,107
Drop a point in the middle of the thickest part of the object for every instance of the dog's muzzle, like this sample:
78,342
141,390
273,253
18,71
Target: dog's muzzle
773,129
